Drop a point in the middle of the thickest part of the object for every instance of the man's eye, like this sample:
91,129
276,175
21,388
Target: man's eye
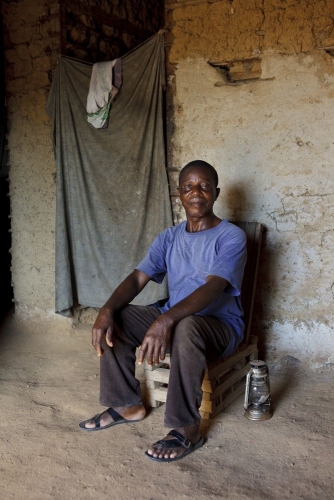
187,187
205,186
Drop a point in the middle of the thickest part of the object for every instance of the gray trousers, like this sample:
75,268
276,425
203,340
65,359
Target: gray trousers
195,341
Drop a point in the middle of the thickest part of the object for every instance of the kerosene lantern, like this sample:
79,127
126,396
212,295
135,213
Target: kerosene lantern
257,393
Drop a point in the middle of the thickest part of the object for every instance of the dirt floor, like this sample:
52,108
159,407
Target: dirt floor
49,383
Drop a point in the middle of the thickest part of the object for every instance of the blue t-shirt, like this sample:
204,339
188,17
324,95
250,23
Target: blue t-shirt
188,258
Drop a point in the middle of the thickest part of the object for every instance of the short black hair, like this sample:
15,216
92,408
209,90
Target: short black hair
202,164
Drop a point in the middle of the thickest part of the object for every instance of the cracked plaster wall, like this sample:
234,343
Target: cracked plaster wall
31,34
271,142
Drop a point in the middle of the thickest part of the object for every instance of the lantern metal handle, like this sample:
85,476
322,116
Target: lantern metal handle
247,389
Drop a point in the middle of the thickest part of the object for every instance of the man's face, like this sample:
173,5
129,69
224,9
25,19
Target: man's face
198,192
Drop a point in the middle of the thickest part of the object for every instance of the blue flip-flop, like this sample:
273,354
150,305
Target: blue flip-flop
117,419
179,440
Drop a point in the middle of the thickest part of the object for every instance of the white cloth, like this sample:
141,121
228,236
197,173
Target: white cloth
105,83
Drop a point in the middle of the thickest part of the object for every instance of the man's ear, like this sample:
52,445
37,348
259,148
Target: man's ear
178,190
217,192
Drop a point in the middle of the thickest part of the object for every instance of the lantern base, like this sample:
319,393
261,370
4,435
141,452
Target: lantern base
259,413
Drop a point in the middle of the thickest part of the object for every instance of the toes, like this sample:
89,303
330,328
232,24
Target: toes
90,424
165,453
103,419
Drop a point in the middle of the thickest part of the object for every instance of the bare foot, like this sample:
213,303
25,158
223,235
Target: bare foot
134,413
161,450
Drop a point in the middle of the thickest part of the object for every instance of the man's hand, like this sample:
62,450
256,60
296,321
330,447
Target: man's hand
156,341
103,327
158,335
123,295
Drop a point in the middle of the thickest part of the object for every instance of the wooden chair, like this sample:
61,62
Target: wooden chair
224,380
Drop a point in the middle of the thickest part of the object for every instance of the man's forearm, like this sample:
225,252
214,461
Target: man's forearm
196,301
126,291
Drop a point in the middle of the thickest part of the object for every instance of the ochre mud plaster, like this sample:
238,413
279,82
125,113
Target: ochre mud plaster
239,28
32,182
270,142
31,36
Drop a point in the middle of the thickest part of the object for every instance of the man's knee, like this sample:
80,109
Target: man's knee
188,332
190,323
127,317
122,314
135,320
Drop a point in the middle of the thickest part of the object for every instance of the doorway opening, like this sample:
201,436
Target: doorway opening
6,292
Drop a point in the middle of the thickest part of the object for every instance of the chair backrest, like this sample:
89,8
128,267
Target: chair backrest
254,231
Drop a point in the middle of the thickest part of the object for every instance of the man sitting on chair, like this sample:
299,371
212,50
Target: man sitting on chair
204,258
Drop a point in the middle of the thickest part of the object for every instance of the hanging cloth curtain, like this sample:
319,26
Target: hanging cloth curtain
112,190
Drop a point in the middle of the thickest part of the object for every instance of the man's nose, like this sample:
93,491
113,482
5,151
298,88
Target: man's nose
196,189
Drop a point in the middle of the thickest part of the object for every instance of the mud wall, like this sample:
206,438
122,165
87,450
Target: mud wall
261,112
103,30
36,31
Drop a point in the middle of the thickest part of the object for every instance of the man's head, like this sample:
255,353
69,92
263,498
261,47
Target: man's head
198,189
202,164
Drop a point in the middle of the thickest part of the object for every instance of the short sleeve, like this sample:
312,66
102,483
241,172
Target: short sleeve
154,263
231,259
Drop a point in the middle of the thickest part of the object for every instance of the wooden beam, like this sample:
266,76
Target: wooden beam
329,49
108,19
235,70
188,3
62,21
